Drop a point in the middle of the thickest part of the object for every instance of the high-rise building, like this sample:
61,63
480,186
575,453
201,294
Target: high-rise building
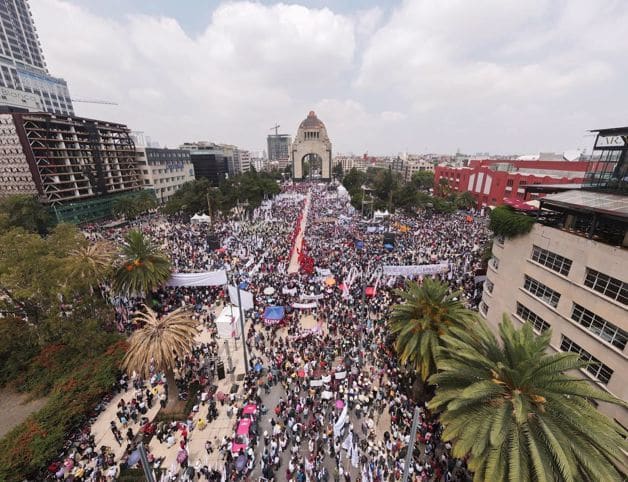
242,161
279,149
570,272
22,65
210,160
67,161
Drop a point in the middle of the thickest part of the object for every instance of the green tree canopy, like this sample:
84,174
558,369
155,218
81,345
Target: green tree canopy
23,211
512,408
423,180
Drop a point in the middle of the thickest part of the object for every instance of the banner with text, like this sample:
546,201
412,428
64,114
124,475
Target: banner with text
415,270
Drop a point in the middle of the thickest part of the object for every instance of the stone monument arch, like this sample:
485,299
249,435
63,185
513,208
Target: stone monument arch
311,144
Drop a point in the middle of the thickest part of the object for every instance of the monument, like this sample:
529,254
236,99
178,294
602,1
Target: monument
311,150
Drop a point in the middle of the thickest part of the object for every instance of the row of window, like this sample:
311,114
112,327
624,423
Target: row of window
595,367
538,323
553,261
541,291
608,286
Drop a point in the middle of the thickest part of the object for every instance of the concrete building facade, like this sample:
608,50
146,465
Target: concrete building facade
312,145
556,279
22,64
570,272
164,170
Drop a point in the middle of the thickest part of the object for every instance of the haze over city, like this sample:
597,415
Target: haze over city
418,76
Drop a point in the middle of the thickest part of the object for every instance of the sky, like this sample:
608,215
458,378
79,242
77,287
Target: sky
498,76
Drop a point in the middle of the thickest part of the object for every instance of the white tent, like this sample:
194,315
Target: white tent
228,322
200,218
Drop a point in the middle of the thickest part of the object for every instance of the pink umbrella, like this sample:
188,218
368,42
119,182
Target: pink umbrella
340,404
301,373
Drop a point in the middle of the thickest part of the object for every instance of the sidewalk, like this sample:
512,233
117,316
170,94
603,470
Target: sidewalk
220,427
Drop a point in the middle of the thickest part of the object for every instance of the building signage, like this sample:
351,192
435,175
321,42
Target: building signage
606,142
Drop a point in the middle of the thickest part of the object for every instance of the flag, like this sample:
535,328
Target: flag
340,423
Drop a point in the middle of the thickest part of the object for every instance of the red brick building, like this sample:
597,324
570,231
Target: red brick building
492,182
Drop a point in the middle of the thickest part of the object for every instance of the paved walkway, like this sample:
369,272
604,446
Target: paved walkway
223,425
293,267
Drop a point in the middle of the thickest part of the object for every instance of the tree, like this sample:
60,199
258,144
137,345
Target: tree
423,180
132,206
337,171
191,198
419,324
159,342
143,267
511,407
504,221
465,200
26,212
33,270
91,263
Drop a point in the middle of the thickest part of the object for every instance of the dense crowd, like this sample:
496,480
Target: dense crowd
330,401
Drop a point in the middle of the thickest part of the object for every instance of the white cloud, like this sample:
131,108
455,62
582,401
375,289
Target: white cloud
499,75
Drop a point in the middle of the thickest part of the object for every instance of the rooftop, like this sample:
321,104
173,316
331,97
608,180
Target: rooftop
614,205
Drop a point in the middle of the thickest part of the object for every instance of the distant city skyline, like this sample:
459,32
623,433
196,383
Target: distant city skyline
417,76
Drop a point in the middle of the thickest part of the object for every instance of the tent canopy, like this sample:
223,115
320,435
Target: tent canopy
200,218
275,313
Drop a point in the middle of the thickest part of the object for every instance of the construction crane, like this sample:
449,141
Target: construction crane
94,101
275,128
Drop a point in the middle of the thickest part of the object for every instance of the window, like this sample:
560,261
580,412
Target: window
500,240
541,291
495,263
483,308
489,285
551,260
606,285
599,326
538,323
595,367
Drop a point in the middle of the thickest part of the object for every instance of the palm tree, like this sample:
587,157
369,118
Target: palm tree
159,342
465,200
429,312
519,417
143,266
91,263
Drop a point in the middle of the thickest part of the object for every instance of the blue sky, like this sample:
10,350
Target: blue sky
500,76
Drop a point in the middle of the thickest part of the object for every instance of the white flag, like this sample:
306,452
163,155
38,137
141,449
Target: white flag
340,423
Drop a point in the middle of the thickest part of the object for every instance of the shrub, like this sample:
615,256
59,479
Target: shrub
508,223
30,446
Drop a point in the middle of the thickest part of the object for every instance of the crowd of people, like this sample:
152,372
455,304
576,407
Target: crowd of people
331,401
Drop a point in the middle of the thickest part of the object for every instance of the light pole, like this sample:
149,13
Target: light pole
406,466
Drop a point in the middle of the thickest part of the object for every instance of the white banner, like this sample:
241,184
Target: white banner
316,383
340,375
289,291
312,297
415,270
245,296
304,306
208,278
323,272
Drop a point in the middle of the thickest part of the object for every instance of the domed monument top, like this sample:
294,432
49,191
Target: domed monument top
312,122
